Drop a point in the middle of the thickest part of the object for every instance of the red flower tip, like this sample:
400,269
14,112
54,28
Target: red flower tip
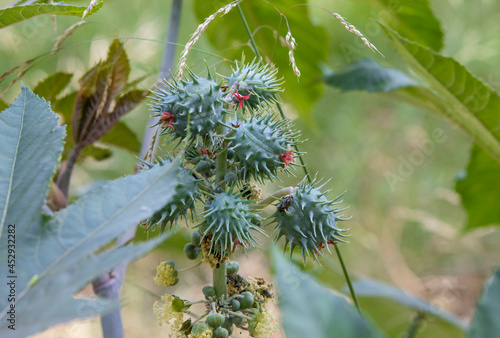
236,243
241,98
287,158
167,119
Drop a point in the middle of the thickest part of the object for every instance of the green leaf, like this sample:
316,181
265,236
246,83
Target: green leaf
310,310
97,153
485,323
65,106
12,15
52,85
369,288
413,20
228,31
58,286
367,74
479,199
31,140
121,136
459,96
3,105
94,220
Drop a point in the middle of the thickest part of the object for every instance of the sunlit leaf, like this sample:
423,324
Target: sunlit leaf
475,188
52,85
11,15
413,20
459,96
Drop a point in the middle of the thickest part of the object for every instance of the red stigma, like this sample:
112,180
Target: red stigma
241,98
287,158
167,119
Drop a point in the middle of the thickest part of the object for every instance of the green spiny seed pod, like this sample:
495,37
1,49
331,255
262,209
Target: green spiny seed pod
200,98
306,219
262,146
229,219
183,200
258,79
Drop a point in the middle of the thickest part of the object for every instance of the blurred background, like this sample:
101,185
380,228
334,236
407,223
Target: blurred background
397,164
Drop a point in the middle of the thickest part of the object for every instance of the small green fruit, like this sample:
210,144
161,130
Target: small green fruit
221,332
203,167
235,305
171,263
199,328
215,320
209,291
233,267
247,300
190,251
196,239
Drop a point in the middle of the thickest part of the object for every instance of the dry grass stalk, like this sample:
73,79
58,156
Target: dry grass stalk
290,41
354,30
89,8
67,33
199,31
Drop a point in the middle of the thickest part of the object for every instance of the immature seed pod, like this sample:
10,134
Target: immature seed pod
247,300
235,305
200,98
196,238
215,320
208,291
220,333
262,146
183,200
233,267
259,80
306,219
190,251
228,218
199,328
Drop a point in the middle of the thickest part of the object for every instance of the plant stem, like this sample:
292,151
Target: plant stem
219,275
415,325
347,278
64,177
109,285
252,41
282,113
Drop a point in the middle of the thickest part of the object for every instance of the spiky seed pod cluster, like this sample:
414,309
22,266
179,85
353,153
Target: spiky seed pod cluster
199,98
257,78
262,146
230,220
186,192
307,220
